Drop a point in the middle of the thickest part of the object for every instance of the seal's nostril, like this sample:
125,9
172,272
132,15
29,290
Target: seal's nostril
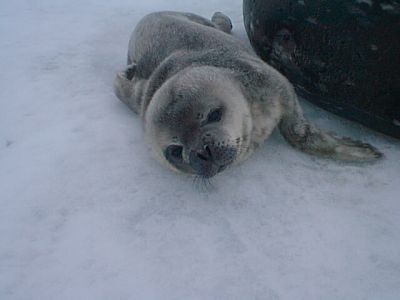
208,150
202,157
205,154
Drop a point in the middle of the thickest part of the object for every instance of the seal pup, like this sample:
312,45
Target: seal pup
207,101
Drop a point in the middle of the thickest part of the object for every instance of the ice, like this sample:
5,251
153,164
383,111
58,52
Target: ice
87,213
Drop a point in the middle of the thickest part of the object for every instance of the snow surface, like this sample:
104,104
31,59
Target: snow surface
87,213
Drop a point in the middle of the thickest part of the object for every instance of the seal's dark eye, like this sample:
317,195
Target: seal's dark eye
215,115
173,153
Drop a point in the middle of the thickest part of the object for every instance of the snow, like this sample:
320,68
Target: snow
87,213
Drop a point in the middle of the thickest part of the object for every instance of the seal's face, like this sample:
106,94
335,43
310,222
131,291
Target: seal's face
198,123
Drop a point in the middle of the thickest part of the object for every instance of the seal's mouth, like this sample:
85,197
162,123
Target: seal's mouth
205,162
210,171
215,170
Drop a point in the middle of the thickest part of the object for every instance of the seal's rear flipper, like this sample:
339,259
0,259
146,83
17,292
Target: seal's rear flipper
305,136
222,22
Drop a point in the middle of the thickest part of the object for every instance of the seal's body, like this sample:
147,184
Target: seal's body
208,101
342,55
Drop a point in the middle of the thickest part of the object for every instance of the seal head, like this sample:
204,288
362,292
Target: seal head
199,122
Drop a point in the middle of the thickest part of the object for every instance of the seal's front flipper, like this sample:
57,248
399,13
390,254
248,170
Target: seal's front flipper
222,22
130,71
128,88
305,136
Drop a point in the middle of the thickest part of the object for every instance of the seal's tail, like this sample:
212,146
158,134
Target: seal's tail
305,136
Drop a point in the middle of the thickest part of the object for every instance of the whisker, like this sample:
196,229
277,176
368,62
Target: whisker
208,184
198,183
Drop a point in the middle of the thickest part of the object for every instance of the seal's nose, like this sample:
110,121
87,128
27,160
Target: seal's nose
205,154
203,161
211,158
203,158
